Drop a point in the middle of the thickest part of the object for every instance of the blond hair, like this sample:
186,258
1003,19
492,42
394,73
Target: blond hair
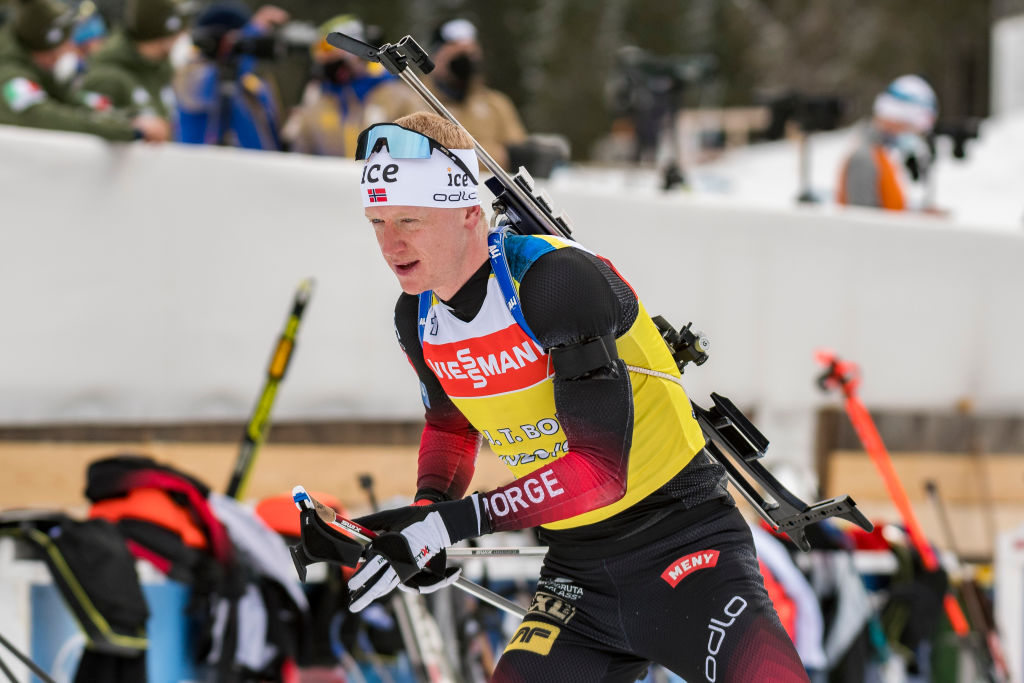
439,128
447,133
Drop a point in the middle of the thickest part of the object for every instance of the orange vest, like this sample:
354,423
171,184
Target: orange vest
890,194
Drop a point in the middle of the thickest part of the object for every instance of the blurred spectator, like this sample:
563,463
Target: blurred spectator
88,35
457,81
90,32
891,147
221,99
332,111
31,44
133,69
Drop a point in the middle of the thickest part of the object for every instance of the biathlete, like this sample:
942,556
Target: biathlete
543,349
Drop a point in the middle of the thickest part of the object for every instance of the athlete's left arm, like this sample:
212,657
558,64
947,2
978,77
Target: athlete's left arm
576,305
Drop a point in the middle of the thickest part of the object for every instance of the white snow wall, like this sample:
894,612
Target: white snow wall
142,284
1008,65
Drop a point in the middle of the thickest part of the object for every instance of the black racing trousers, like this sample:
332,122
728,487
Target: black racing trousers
693,601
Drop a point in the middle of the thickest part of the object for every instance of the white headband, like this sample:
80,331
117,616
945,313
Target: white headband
435,182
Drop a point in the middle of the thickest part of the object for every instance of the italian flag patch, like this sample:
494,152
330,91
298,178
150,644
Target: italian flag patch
21,93
96,101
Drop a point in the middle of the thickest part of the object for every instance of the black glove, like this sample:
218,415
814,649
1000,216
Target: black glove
395,519
419,534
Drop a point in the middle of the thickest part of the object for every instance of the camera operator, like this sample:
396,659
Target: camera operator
646,94
89,35
221,99
457,81
133,70
333,108
31,45
892,149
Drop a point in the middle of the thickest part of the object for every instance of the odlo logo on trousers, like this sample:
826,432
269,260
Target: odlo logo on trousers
717,635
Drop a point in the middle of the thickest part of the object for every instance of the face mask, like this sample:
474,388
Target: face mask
68,66
182,52
916,153
911,144
905,143
463,67
337,72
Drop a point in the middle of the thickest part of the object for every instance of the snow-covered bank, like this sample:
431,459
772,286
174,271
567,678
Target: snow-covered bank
984,190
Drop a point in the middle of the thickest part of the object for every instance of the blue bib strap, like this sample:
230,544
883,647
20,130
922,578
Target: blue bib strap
496,251
426,301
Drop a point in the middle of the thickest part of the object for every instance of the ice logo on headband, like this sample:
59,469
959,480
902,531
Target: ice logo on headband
434,182
457,179
375,173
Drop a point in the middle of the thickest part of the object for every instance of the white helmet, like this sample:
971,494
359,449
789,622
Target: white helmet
909,100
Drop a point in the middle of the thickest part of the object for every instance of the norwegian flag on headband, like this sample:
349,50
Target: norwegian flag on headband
377,194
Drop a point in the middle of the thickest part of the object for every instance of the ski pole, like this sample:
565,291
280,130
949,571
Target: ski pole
7,672
363,536
258,427
845,376
35,668
531,551
419,628
971,599
366,484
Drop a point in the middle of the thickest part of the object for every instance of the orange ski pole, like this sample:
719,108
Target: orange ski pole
846,376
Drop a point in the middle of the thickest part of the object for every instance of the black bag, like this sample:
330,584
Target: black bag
218,575
95,575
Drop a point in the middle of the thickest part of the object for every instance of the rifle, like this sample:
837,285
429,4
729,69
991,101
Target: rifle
732,439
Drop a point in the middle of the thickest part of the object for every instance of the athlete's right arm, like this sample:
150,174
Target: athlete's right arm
449,444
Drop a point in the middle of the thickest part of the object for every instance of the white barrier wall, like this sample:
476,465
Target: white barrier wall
1008,65
146,284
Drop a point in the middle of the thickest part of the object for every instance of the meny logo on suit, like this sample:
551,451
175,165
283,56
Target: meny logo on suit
687,564
504,361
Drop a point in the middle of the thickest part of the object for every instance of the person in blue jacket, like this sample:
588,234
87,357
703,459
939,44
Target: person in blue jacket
221,98
335,105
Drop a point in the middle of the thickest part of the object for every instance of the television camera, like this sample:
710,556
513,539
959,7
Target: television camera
650,90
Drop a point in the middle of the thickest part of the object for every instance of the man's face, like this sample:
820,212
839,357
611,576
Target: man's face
159,49
429,248
340,67
450,51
